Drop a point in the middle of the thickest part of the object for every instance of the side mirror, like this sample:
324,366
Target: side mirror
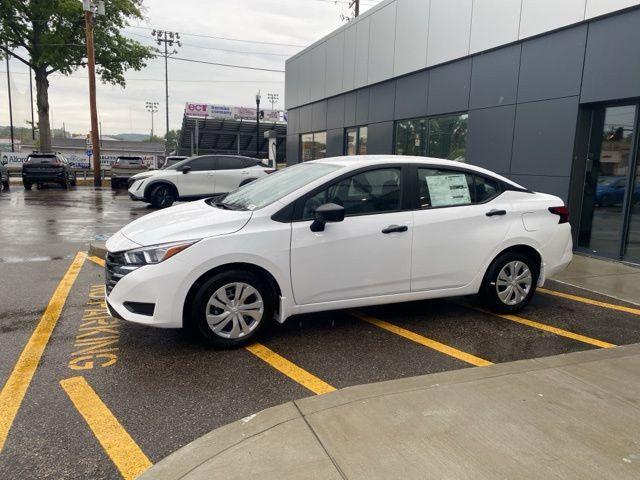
186,169
327,213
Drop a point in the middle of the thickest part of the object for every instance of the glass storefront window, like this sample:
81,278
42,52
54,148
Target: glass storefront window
362,140
411,137
448,137
313,145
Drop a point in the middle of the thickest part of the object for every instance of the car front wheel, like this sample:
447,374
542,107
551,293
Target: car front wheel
510,282
162,196
232,308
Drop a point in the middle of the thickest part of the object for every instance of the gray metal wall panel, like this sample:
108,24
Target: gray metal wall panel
306,119
558,186
380,138
349,59
382,37
612,62
293,121
335,112
319,116
412,28
334,142
449,30
490,137
293,149
350,101
494,78
381,101
304,77
362,106
539,16
494,23
551,65
318,72
449,87
290,85
411,95
334,64
544,137
362,52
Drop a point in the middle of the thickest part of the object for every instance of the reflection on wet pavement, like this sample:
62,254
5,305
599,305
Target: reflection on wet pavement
51,224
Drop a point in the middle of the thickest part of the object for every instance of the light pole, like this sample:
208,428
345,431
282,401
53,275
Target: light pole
273,99
91,8
168,39
258,97
152,107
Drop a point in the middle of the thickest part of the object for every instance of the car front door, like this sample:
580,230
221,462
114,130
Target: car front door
229,174
199,180
460,221
365,255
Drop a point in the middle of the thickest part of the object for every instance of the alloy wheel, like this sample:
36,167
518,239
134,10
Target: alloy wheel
514,283
234,310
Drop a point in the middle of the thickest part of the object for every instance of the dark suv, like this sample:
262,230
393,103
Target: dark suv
41,168
4,174
124,168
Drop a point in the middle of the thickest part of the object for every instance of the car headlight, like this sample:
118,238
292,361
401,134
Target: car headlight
141,177
156,253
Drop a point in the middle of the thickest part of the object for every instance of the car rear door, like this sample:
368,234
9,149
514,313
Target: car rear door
200,180
229,173
361,256
460,220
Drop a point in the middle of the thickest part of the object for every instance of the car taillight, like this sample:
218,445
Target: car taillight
562,212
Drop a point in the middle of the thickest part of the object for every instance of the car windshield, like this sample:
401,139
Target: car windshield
273,187
175,166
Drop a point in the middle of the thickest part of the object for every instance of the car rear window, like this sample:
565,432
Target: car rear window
42,159
129,161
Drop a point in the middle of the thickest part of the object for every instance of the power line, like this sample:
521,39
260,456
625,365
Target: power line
59,75
190,60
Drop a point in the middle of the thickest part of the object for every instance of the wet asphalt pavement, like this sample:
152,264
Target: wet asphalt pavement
166,389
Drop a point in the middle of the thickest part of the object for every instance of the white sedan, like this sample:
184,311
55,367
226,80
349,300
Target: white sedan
336,233
195,177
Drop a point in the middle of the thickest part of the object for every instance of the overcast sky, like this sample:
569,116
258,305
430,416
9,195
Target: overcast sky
295,22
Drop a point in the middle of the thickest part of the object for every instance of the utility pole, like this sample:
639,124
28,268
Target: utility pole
152,107
168,39
258,124
13,147
33,122
92,7
273,99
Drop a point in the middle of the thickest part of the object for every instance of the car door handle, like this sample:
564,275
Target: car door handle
494,212
395,228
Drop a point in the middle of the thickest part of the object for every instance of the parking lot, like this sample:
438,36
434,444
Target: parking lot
107,398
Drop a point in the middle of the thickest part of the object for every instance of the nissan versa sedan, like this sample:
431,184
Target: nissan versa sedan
336,233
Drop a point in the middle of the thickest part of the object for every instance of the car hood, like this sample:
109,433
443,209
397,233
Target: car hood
190,221
146,174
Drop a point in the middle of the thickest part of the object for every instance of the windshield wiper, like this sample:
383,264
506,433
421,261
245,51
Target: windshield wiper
224,205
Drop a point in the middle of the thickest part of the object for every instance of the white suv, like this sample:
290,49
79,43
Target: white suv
195,177
336,233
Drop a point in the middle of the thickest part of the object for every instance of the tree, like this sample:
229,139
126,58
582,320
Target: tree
51,32
171,139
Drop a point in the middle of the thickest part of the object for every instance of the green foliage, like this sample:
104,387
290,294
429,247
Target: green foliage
53,34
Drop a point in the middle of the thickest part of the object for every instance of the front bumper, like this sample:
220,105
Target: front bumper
165,285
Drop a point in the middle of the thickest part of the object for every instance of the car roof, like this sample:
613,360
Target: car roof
357,161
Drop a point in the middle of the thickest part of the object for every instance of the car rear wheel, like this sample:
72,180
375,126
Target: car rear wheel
162,196
6,185
510,282
27,185
232,308
74,180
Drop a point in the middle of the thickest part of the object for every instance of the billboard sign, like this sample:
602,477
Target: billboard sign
227,112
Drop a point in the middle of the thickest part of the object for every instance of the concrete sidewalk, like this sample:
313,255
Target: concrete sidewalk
569,416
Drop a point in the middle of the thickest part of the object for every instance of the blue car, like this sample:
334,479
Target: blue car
611,189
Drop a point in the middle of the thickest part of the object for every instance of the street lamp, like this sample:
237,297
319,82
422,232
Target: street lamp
273,98
152,107
258,97
168,39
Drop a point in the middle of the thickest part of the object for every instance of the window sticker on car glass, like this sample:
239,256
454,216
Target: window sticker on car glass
448,190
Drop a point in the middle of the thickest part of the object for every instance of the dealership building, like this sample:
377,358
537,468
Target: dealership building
546,92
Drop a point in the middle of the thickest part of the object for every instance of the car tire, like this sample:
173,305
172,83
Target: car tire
162,196
114,184
246,180
65,183
218,323
74,181
510,282
27,185
6,185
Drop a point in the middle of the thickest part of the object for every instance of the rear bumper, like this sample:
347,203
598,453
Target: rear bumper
557,254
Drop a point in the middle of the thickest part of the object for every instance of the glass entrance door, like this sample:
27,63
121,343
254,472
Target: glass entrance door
609,183
632,250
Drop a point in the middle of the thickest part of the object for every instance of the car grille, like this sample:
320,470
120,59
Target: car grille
115,268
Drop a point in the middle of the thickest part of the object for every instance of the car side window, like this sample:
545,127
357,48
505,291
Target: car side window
448,188
229,163
201,164
485,189
373,191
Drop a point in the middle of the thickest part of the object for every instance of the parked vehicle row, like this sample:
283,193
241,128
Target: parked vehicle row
330,234
44,168
195,177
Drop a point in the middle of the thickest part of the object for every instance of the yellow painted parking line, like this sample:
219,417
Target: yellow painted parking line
589,301
291,370
548,328
427,342
14,390
121,448
97,260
